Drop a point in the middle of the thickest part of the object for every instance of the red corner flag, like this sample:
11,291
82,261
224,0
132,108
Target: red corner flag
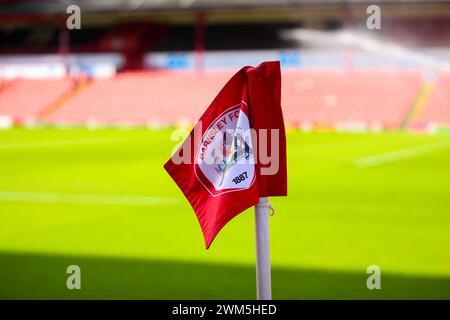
236,152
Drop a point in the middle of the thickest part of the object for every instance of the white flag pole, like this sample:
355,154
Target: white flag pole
263,277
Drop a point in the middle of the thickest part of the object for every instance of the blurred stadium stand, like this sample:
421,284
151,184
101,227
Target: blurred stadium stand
378,99
359,99
144,98
24,99
149,63
437,109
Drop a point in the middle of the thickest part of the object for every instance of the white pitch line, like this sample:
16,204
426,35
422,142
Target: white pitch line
37,144
398,155
44,197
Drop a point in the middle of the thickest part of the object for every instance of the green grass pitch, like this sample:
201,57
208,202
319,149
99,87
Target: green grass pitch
100,199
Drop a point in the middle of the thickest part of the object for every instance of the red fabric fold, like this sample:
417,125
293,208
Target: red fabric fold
224,176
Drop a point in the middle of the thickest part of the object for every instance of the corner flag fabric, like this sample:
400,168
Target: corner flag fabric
236,152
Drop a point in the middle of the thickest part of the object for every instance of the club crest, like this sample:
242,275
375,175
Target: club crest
225,158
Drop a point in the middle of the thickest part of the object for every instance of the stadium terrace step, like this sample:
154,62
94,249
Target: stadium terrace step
24,99
419,105
78,86
436,110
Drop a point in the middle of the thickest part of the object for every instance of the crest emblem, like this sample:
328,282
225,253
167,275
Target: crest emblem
225,158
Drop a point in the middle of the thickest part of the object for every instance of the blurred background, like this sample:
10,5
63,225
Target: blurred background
129,46
88,114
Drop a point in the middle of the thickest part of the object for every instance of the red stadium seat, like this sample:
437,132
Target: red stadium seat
142,98
334,98
23,100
